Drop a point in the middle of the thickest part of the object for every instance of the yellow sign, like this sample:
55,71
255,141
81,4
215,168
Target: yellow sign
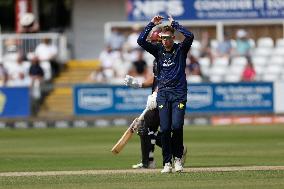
2,102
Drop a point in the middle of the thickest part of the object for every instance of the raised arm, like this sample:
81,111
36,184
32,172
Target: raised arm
186,44
142,39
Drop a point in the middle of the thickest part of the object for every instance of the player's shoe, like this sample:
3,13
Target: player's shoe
167,168
178,165
152,165
183,157
137,166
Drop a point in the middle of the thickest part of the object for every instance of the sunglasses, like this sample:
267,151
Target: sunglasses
166,37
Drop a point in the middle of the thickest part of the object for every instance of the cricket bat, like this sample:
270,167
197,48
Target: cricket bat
127,134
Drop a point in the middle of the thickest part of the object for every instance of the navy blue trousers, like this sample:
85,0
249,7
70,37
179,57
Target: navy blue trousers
171,110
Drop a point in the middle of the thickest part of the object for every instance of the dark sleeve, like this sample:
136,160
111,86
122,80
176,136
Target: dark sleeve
142,40
186,44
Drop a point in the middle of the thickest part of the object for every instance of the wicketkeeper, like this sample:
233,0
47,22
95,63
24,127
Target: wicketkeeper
172,87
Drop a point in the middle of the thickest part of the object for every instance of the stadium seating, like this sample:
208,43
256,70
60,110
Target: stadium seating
280,42
259,61
277,60
194,79
278,51
196,48
216,78
59,101
205,65
282,76
262,51
265,42
221,61
267,59
232,78
269,77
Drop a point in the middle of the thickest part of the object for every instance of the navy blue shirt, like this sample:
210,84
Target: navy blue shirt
171,64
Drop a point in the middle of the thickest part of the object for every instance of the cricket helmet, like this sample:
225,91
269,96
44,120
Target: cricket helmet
155,35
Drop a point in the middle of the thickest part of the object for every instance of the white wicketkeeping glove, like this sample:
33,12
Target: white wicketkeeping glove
132,82
151,102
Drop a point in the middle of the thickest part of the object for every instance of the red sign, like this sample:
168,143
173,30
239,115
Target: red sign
248,120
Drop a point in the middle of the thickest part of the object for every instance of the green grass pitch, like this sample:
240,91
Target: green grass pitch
89,149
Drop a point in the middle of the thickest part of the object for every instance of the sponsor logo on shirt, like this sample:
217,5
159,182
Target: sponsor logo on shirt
167,64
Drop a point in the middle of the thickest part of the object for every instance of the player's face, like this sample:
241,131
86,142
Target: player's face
167,39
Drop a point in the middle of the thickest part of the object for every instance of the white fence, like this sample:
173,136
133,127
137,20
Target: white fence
28,42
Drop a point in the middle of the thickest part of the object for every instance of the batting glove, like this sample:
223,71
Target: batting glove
132,82
151,102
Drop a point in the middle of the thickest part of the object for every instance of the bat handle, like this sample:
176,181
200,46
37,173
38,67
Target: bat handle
134,125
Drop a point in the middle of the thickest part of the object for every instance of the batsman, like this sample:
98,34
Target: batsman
172,87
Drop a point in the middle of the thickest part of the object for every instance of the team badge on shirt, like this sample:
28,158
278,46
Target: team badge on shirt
181,105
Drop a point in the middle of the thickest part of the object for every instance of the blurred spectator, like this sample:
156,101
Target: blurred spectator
36,73
18,74
120,66
130,54
249,71
243,46
46,51
105,72
139,67
224,48
10,46
131,46
193,70
205,46
116,39
3,75
193,66
106,58
132,38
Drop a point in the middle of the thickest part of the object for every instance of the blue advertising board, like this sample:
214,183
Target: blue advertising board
89,99
202,98
138,10
14,102
237,97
